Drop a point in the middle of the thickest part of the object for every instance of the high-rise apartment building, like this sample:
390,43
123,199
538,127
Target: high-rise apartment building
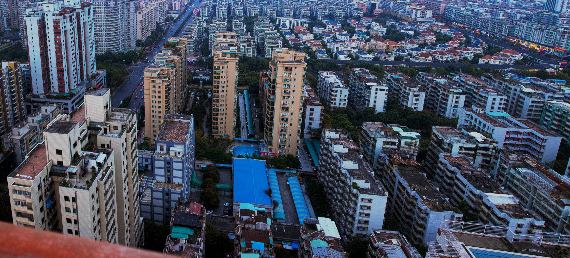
226,57
14,9
148,14
83,179
115,25
12,110
282,98
443,96
164,85
61,45
405,90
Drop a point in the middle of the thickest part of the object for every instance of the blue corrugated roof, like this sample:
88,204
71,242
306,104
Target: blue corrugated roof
298,199
484,253
250,181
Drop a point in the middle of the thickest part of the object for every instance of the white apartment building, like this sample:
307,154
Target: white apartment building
115,25
332,90
61,45
83,180
488,202
358,200
313,110
366,91
415,202
519,135
406,90
488,100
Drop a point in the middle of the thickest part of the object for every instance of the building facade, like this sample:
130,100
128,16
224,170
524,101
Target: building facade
332,90
282,97
115,25
61,44
366,91
225,78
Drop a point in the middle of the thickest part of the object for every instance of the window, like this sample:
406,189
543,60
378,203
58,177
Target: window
66,198
58,151
68,220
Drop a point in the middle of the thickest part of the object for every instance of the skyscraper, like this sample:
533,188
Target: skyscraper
12,110
115,29
164,85
560,6
61,45
226,57
282,96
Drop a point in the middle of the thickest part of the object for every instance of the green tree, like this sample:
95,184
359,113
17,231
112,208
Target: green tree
155,236
212,173
218,244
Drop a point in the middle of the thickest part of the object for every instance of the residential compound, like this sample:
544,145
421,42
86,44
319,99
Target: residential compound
332,89
225,78
114,25
366,91
61,44
377,138
516,134
164,85
281,95
170,168
82,180
405,90
358,200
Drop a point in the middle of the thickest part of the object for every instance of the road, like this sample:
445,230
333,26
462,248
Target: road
492,41
137,71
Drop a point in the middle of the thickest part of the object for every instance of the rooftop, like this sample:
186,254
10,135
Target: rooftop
61,127
174,130
33,165
251,177
412,172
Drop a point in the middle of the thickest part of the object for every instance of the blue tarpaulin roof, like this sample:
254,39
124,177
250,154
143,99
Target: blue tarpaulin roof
298,199
250,181
313,147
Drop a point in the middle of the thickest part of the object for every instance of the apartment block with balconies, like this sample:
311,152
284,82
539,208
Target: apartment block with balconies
358,200
415,202
556,117
366,91
332,89
480,149
443,96
519,135
85,174
541,190
282,101
487,201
